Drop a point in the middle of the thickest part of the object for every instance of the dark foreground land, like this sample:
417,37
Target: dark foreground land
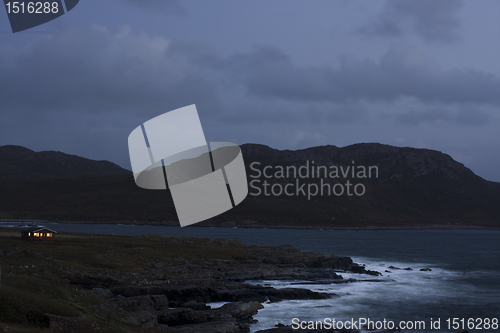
102,283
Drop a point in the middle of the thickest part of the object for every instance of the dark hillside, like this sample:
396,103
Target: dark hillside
414,187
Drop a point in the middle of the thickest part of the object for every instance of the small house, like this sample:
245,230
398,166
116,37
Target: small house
38,234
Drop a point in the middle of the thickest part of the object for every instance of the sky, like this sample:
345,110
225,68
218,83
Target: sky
289,74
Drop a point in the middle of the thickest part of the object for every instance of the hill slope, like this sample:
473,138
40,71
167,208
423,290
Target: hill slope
413,187
19,163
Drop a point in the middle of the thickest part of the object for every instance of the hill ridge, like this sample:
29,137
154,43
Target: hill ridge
20,163
415,187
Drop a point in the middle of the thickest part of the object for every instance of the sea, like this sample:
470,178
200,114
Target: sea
461,291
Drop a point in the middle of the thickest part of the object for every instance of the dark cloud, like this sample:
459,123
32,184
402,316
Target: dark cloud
472,116
402,72
433,21
167,6
100,71
84,91
414,86
96,71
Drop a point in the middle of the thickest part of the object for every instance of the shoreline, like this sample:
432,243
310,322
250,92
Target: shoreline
161,283
176,224
156,280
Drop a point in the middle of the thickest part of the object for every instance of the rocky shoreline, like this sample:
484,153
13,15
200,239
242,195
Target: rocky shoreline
173,295
111,283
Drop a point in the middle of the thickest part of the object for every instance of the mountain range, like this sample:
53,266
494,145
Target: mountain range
414,188
19,163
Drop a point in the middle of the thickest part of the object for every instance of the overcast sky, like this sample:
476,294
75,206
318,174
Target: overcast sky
286,73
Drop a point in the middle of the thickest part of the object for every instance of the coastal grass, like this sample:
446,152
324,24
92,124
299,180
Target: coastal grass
33,273
104,252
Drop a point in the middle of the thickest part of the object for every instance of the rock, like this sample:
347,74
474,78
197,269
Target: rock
159,265
296,293
145,319
393,267
173,295
151,303
211,327
280,328
408,269
237,312
183,294
102,293
160,302
249,293
355,268
71,324
196,305
240,311
273,299
134,304
184,316
388,271
425,269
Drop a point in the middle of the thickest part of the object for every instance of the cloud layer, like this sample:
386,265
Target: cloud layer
433,21
142,75
83,91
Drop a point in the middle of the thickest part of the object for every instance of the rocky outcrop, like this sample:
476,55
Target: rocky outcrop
144,303
241,312
280,328
71,324
211,327
174,294
231,317
144,319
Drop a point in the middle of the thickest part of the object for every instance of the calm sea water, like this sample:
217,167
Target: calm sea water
464,281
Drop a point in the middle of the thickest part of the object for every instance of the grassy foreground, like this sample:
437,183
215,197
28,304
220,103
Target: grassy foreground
33,274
